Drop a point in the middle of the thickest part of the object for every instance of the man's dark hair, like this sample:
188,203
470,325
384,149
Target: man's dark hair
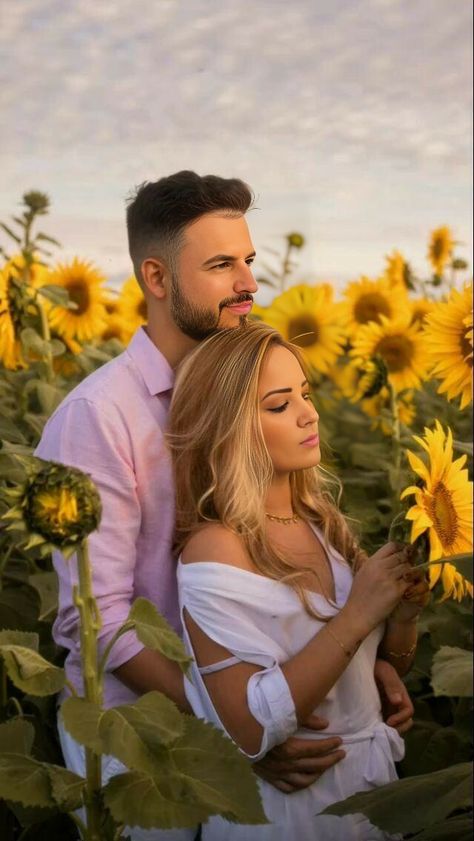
159,211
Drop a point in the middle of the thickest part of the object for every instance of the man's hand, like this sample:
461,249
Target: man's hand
298,763
397,707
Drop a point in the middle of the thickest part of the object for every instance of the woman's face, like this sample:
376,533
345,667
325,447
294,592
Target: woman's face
288,417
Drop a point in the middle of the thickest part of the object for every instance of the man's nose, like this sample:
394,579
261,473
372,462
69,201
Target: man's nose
244,280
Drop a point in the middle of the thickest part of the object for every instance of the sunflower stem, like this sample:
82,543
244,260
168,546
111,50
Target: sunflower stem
90,625
396,445
285,269
46,333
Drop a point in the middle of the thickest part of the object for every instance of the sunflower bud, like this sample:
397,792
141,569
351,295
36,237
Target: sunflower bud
62,505
36,202
372,378
295,240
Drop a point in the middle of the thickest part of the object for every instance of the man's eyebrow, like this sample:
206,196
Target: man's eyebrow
224,258
282,390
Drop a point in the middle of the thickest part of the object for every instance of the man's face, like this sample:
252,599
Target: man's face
214,285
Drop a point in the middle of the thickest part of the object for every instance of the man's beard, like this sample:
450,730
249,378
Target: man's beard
199,322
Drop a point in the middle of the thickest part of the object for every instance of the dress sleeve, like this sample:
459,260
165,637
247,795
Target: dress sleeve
271,703
89,437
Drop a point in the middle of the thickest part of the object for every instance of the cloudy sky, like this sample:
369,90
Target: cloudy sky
351,120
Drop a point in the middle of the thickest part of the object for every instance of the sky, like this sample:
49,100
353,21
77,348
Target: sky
350,120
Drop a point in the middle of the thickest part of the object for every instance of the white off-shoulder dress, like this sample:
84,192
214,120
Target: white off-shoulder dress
262,621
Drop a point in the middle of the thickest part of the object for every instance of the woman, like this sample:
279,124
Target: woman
282,611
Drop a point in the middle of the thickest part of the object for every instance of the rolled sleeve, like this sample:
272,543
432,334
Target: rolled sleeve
271,704
93,439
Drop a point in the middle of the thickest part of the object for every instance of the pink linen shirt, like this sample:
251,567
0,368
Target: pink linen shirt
111,427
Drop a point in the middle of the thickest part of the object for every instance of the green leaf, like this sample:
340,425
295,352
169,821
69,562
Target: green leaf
30,672
458,828
58,295
66,788
49,396
47,238
46,584
463,447
154,632
430,747
27,639
413,803
201,774
9,429
451,672
19,607
10,233
25,781
17,736
81,719
32,341
139,800
136,733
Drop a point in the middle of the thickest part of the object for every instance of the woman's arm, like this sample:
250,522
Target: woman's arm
331,648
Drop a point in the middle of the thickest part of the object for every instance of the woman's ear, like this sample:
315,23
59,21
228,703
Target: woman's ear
154,274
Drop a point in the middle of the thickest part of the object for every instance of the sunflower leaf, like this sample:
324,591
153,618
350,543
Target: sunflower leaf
57,295
452,672
153,630
30,672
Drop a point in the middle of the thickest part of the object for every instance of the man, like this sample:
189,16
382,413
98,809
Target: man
192,255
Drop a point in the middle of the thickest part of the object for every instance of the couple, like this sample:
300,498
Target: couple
280,609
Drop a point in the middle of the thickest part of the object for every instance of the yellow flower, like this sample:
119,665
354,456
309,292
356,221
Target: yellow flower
401,347
378,407
370,300
84,285
10,323
36,274
448,336
440,248
308,317
397,270
116,327
420,308
372,377
132,307
57,506
443,505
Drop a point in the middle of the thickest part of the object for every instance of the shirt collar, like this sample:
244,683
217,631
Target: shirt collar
154,368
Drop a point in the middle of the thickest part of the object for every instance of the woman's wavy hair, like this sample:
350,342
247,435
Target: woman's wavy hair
222,468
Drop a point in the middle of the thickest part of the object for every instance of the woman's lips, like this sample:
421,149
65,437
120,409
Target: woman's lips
312,441
241,309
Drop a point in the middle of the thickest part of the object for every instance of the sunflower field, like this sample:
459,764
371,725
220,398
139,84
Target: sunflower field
391,363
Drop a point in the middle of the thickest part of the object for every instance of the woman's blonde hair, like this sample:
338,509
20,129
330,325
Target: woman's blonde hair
222,469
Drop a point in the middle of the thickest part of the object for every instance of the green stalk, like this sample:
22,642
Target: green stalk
90,625
285,267
396,444
46,333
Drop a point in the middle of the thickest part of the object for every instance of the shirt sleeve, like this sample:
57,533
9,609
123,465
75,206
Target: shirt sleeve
94,439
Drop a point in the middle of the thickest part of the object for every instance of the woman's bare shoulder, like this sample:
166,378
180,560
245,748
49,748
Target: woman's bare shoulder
215,542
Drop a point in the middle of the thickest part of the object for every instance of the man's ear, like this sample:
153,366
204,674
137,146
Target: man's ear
155,276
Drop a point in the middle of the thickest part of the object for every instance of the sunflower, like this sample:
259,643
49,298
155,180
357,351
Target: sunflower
131,308
440,248
420,308
10,323
397,270
35,273
308,317
84,285
443,506
448,336
400,345
370,300
378,408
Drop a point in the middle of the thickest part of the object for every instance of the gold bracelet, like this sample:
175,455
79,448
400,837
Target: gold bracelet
348,654
403,653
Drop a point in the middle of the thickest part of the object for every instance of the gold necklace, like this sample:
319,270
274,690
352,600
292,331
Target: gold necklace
286,521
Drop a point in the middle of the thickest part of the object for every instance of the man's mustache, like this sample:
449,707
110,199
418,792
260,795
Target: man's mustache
239,299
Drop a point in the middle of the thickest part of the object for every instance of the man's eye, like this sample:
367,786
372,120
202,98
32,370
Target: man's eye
279,408
250,261
222,265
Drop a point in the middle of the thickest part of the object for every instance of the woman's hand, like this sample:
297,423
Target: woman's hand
415,598
379,585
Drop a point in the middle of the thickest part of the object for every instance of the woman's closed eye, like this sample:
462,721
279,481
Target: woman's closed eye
280,408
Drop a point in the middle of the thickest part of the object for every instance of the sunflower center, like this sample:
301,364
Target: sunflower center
79,294
466,348
303,330
370,306
141,309
443,514
397,352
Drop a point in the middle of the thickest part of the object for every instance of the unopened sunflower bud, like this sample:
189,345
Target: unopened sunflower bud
295,240
372,378
36,202
61,504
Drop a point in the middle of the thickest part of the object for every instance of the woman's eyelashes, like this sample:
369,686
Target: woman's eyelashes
283,406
